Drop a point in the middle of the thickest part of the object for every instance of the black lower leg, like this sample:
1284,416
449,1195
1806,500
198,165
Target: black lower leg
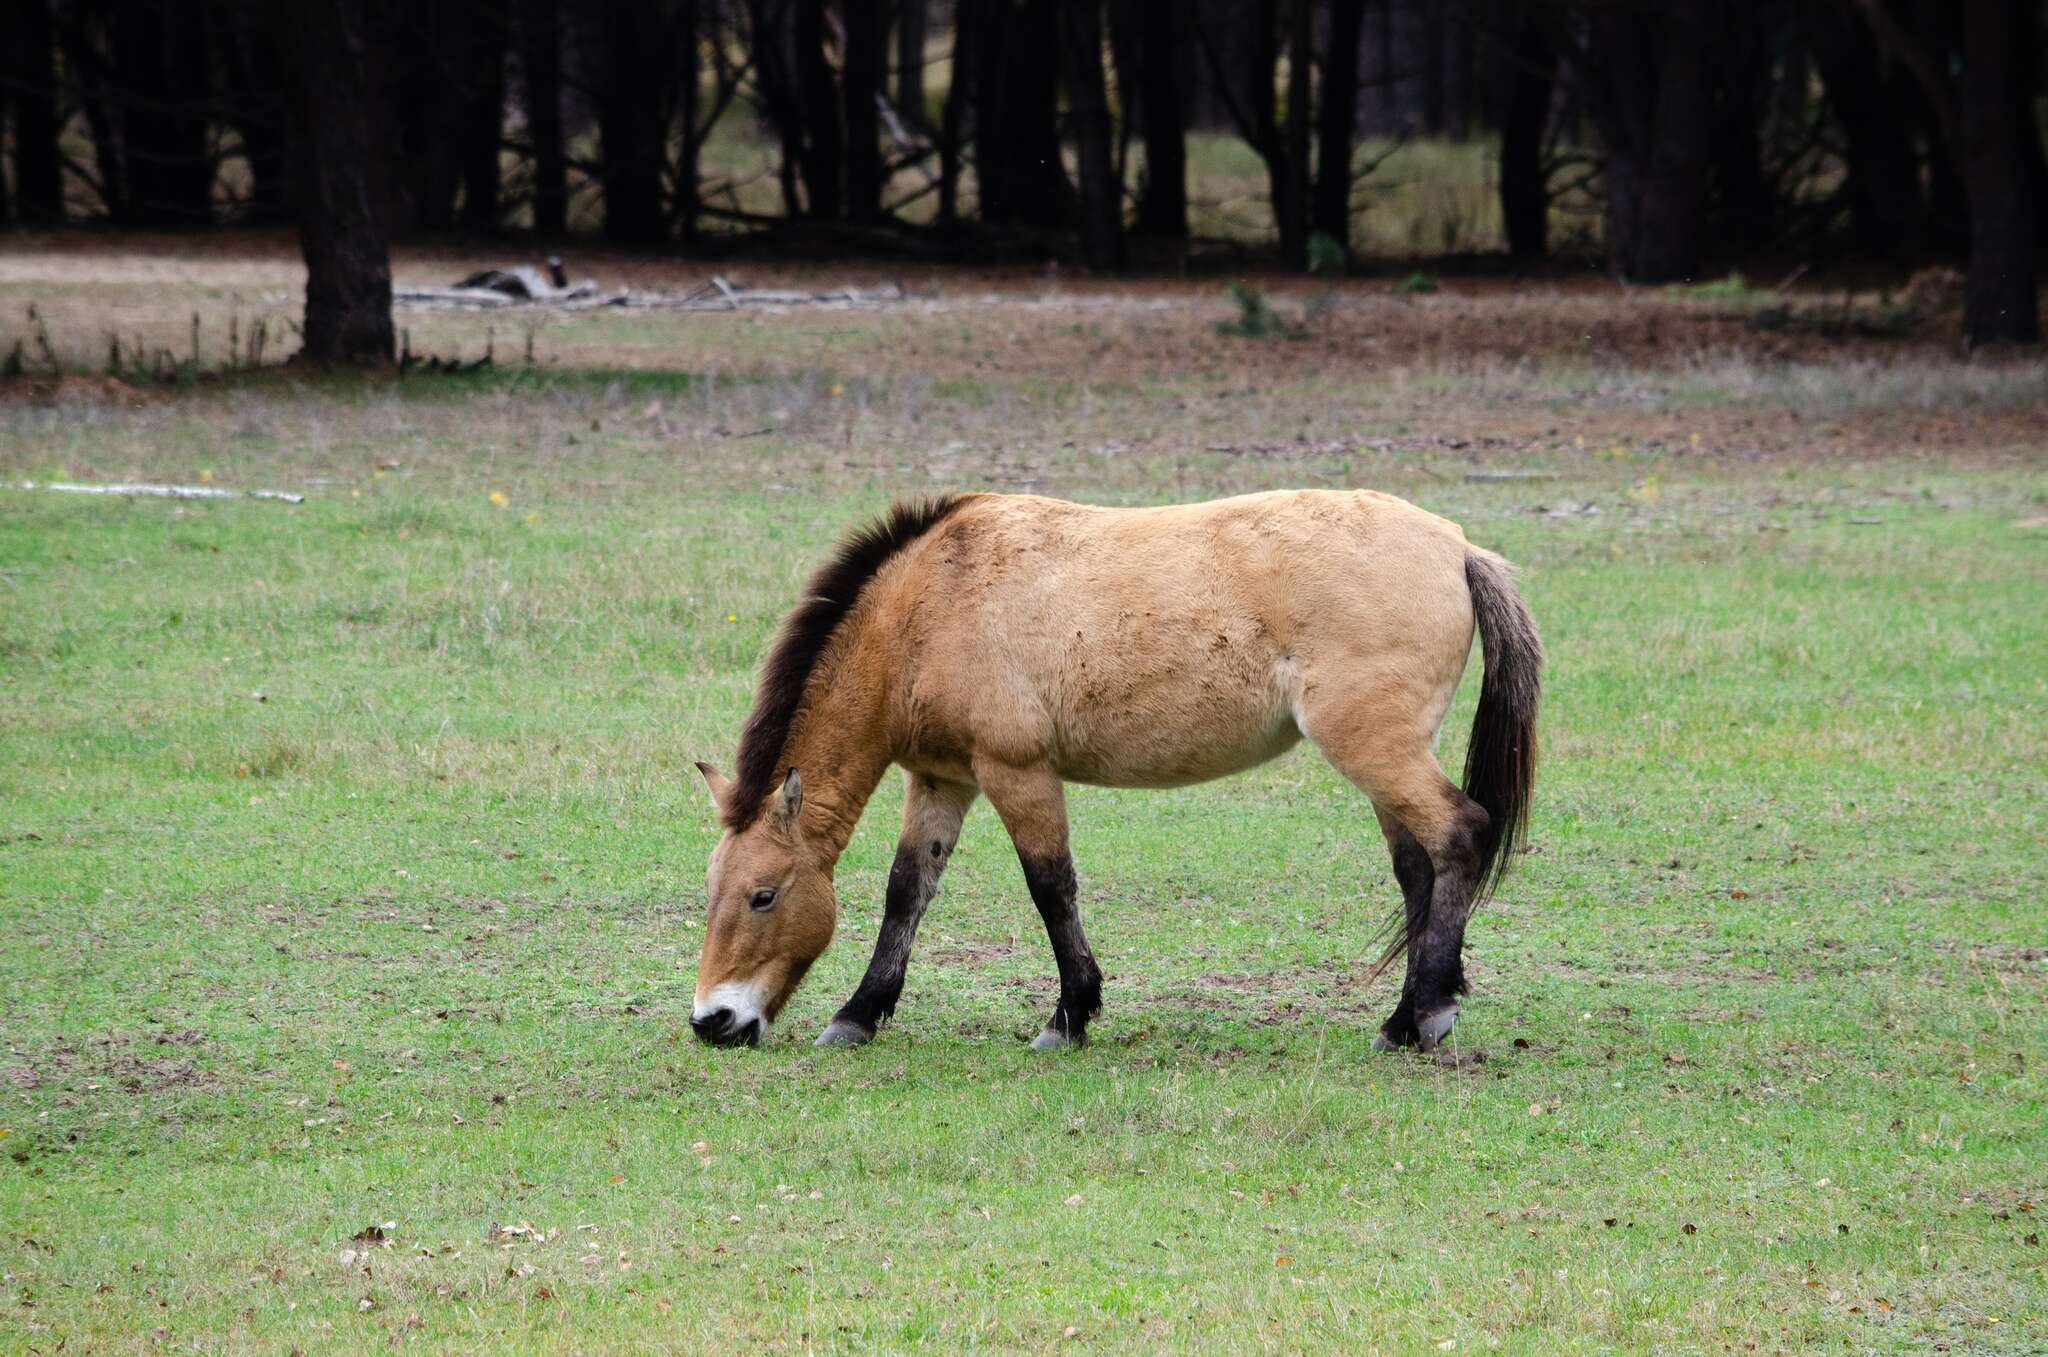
1053,890
912,879
1437,964
1417,878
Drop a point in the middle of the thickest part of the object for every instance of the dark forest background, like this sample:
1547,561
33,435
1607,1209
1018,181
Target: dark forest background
1690,135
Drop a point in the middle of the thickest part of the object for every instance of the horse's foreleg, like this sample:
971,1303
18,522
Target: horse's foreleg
1034,809
932,812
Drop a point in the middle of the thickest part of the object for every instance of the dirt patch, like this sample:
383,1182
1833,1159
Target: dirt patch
134,1063
156,1074
1239,984
2006,958
69,389
1321,993
969,954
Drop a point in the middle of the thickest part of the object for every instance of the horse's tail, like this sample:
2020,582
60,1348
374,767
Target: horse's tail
1500,762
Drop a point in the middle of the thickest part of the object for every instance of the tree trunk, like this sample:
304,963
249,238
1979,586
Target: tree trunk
630,123
1283,147
161,69
1414,66
38,174
867,63
1886,213
1455,50
255,107
1739,57
1336,120
1162,109
1377,102
484,38
418,41
2033,64
1430,24
911,24
92,71
953,119
1102,193
1259,58
1291,189
689,75
1931,51
324,46
2000,304
1016,114
1530,70
541,59
768,36
824,157
1648,90
1948,202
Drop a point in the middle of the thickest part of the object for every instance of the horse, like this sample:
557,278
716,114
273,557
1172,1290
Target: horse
1005,645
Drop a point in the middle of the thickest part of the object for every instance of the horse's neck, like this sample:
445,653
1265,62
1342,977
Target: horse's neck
840,745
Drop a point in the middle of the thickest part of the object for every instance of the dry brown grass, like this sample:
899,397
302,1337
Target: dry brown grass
998,361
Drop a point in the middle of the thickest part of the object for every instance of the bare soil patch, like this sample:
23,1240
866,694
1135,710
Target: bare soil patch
136,1063
69,389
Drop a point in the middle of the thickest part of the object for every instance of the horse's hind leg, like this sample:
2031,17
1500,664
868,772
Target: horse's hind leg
1417,879
932,812
1434,833
1034,809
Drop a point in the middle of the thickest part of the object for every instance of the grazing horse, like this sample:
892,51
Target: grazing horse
1008,644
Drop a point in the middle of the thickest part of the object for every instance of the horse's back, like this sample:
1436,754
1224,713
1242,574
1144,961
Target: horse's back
1292,564
1157,646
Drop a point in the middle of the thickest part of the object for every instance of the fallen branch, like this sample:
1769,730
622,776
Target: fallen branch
716,295
162,491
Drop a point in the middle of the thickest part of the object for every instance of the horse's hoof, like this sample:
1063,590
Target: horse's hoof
839,1032
1051,1039
1434,1028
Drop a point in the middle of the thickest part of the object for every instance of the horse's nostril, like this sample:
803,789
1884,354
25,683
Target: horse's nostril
712,1025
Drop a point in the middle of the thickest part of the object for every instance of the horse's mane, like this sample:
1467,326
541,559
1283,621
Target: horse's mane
828,597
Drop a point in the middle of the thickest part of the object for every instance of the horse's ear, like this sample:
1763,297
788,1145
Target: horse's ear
790,800
721,789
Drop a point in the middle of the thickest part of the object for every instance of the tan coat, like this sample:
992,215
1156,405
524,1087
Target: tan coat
1013,643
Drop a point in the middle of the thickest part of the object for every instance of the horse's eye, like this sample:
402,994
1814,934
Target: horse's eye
764,897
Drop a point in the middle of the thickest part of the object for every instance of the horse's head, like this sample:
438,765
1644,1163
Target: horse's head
771,915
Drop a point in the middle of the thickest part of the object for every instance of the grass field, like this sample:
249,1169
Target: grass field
351,860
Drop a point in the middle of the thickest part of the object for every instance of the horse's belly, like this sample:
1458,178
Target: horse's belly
1173,767
1193,737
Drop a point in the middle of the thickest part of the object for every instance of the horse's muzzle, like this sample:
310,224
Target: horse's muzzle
718,1028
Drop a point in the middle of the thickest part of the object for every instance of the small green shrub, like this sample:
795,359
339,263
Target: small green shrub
1325,256
1256,318
1417,283
1732,290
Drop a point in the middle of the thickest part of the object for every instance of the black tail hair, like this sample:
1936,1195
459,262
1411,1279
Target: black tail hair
1500,761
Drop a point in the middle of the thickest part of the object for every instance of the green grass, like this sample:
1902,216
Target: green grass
351,862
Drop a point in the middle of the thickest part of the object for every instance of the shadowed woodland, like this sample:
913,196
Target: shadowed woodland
1660,141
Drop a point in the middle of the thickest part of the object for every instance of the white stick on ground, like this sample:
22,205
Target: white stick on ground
717,295
162,491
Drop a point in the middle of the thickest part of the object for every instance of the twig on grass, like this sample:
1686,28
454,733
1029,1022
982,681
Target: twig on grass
162,491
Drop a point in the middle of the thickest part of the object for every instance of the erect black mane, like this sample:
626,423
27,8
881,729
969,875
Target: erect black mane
828,597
